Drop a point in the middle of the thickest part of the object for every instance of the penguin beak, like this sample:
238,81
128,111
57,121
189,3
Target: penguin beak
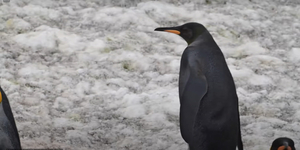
174,30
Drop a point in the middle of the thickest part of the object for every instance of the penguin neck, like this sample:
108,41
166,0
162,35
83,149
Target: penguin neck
205,36
5,129
2,113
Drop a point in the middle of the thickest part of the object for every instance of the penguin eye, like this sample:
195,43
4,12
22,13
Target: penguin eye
185,30
187,33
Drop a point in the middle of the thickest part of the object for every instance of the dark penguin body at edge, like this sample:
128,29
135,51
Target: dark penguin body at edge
9,136
209,115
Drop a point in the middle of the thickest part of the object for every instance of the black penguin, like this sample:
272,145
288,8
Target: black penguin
283,143
209,114
9,136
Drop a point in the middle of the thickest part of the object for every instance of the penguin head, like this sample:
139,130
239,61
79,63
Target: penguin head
283,143
189,31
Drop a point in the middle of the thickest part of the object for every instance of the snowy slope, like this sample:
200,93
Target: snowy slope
94,75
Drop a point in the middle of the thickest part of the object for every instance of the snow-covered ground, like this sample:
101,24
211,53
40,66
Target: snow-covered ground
94,75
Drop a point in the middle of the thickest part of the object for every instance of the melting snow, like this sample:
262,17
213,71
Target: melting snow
94,74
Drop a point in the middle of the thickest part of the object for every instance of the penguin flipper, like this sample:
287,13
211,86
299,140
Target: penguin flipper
195,87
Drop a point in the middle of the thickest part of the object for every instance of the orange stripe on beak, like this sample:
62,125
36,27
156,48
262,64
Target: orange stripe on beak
173,31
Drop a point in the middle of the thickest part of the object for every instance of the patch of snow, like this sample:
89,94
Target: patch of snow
248,49
18,24
294,55
50,39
